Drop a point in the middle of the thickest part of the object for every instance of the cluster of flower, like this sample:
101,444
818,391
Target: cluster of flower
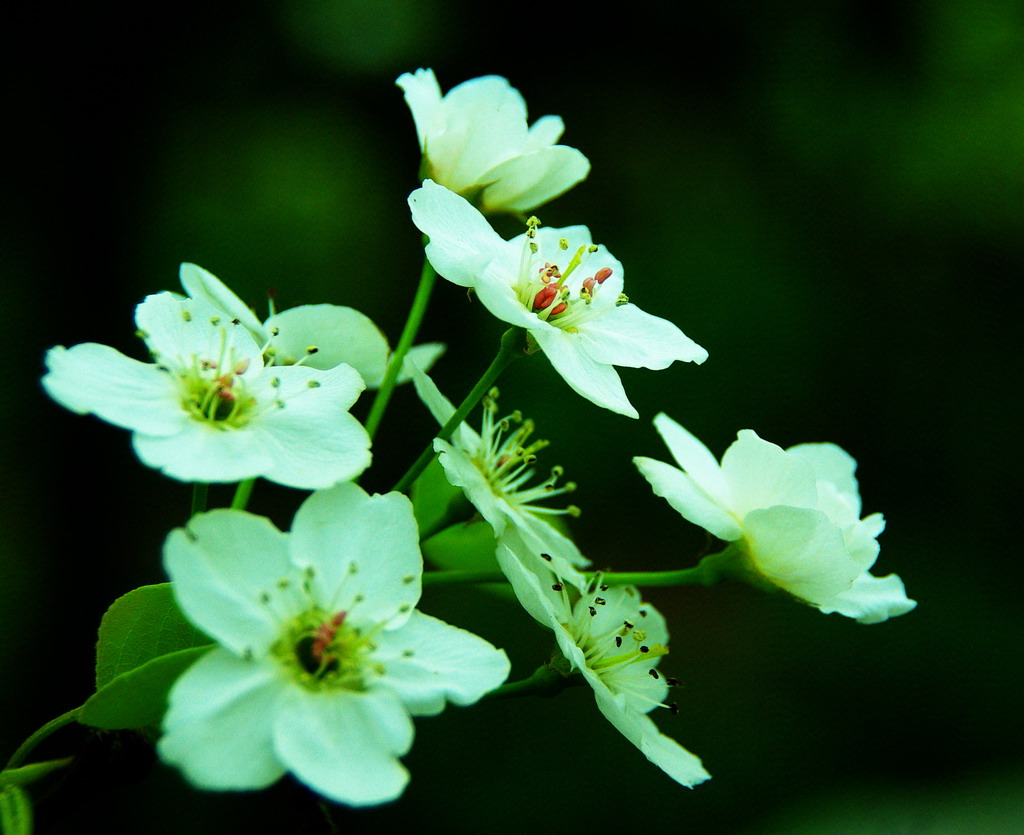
322,657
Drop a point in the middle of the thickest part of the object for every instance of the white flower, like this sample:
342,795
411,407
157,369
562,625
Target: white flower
339,334
322,656
475,141
208,409
793,514
494,468
615,641
563,289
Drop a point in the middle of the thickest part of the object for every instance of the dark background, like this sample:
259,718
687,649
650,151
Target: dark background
827,195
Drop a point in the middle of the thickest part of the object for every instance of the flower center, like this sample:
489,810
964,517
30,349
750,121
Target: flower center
506,459
321,651
545,289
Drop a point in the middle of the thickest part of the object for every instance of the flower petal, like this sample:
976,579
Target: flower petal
678,763
598,383
96,379
420,356
833,464
683,493
462,242
801,551
547,130
223,567
340,334
761,474
429,662
364,551
872,599
204,286
313,441
218,726
695,458
423,95
528,180
344,744
625,335
202,452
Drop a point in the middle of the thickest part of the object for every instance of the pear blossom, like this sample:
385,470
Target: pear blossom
207,409
340,334
615,641
476,142
322,657
559,286
793,516
494,468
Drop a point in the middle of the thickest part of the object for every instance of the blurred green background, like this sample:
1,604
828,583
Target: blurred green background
828,196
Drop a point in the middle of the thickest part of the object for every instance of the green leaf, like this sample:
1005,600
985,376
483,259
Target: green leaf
139,626
15,811
138,698
30,773
432,495
468,546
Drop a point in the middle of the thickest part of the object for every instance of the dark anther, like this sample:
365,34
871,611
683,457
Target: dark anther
673,682
593,611
654,673
604,587
673,708
556,586
546,557
645,649
627,624
618,640
643,613
600,601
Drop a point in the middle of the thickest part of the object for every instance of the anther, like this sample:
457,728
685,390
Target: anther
186,315
627,624
604,588
563,243
408,578
312,349
673,708
592,248
313,384
644,648
672,682
592,611
654,673
546,557
600,601
215,320
141,334
643,613
623,299
275,331
618,640
602,275
236,321
556,586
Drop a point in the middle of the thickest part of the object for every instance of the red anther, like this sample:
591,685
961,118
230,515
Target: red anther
588,284
545,296
227,394
602,275
558,308
323,635
241,366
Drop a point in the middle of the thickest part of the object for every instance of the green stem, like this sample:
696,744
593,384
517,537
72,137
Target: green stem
200,490
242,493
18,757
412,326
711,571
512,347
544,682
462,575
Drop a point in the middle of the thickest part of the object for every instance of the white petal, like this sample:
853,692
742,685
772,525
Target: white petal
832,464
527,181
340,334
180,331
761,474
533,587
484,123
204,286
202,452
678,763
223,566
872,599
539,537
801,551
423,95
462,242
96,379
683,493
627,336
695,458
420,356
364,551
218,726
442,409
462,472
344,744
429,662
496,291
598,383
313,441
547,130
